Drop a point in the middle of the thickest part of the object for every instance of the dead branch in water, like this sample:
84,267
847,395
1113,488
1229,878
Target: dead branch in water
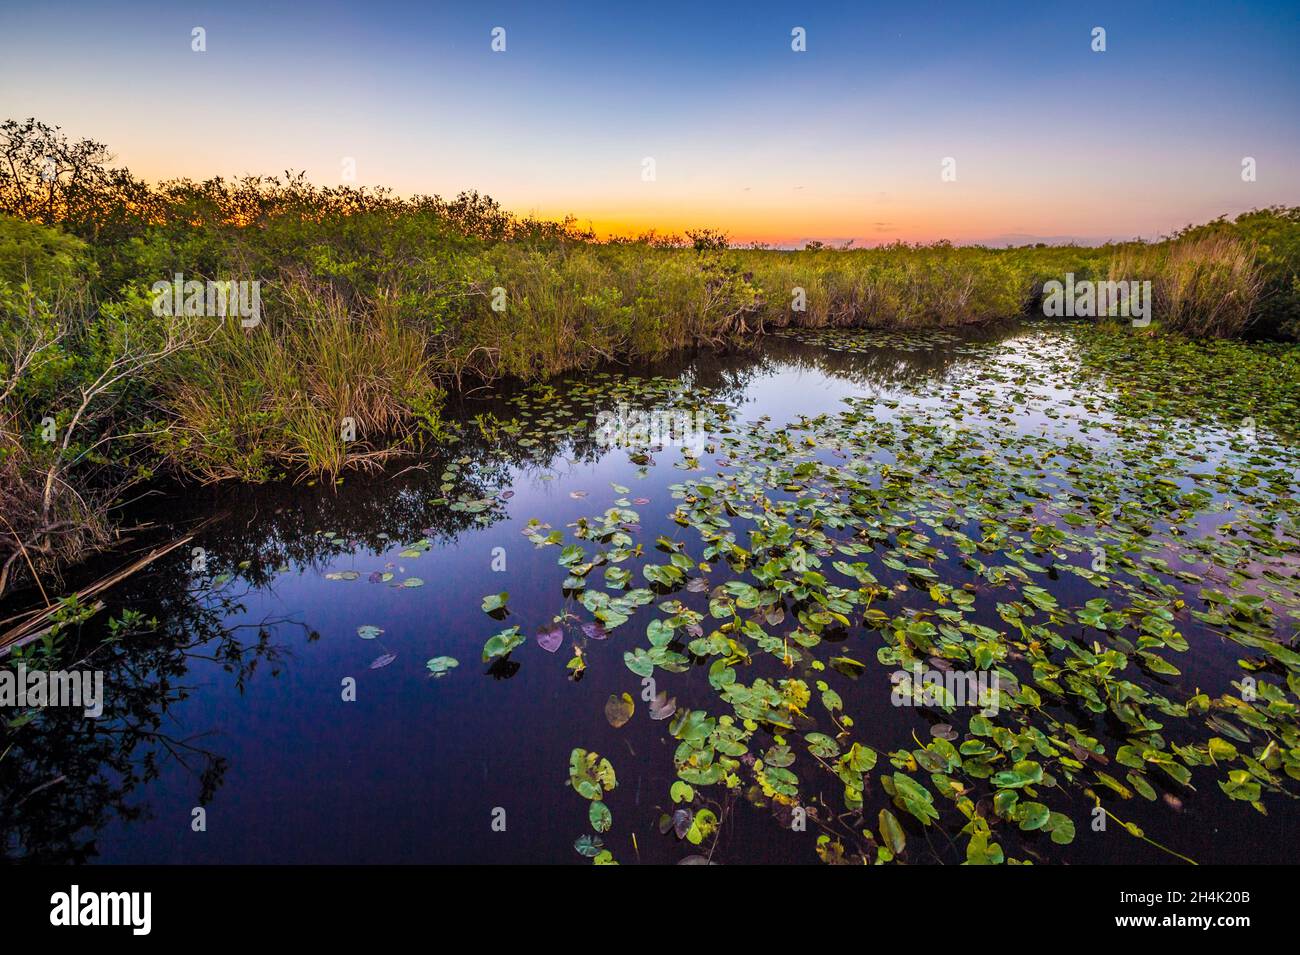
32,626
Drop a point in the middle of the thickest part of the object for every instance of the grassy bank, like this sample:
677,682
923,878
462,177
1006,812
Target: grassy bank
373,307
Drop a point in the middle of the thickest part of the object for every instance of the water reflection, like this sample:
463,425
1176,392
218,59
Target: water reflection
234,702
63,777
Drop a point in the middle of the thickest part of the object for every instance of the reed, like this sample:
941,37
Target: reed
1205,287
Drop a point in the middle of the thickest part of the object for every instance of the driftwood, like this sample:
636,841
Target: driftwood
22,641
33,624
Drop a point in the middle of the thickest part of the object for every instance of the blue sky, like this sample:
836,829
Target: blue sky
845,140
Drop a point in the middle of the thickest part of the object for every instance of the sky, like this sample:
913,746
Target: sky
1051,140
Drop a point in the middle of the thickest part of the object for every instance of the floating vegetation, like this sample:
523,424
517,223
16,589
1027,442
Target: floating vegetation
550,638
1024,599
860,340
502,644
440,666
1028,566
592,776
619,709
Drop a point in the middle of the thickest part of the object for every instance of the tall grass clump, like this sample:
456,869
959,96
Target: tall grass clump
1273,236
1203,286
321,387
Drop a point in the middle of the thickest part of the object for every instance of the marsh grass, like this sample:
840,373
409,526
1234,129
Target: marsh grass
1204,286
897,286
376,306
572,305
256,401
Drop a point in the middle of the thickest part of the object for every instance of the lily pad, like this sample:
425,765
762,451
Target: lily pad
502,644
439,666
619,709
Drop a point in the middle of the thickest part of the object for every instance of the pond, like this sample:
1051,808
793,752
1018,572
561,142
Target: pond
723,609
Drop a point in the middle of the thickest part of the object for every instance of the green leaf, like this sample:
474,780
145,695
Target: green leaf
493,603
892,833
501,644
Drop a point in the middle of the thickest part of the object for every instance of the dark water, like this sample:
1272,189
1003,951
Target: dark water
236,703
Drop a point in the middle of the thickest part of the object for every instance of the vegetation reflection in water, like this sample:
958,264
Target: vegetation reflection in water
1089,514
